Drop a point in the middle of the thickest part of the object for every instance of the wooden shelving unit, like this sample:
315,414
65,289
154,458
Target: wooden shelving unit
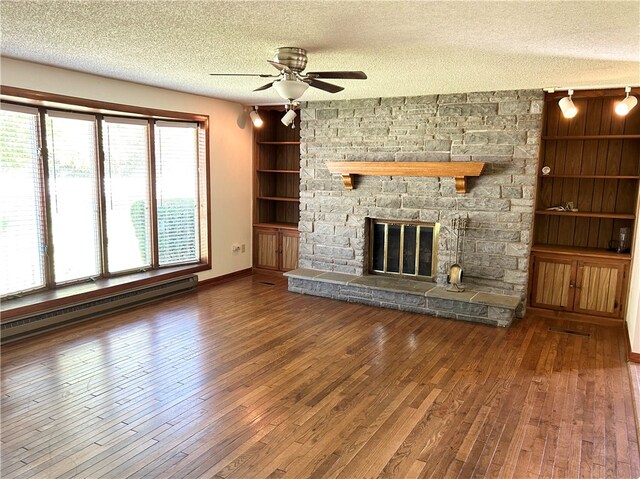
276,192
582,214
595,165
594,177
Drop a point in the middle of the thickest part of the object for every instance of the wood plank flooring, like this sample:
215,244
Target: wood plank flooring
245,380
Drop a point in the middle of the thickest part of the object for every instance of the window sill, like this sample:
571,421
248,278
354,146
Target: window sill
43,300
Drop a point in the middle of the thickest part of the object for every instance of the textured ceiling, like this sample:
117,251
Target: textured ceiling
406,48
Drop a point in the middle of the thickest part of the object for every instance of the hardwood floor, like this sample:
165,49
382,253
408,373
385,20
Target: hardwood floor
246,380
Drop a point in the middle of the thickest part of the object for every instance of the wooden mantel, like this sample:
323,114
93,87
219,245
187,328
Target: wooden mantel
458,170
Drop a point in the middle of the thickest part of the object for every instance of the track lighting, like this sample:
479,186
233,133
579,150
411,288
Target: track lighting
569,110
626,105
288,117
255,118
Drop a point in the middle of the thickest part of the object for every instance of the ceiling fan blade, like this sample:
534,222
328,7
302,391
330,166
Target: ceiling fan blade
355,75
280,66
261,75
324,86
264,87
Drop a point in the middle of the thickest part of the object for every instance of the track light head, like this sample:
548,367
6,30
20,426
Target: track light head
255,118
567,107
288,117
626,105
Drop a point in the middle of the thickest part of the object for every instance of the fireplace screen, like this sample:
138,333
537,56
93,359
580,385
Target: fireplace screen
403,248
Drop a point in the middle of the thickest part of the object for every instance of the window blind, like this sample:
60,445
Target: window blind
21,234
177,192
126,189
69,212
73,198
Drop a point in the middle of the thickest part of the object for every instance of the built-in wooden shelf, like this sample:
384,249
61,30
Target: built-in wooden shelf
279,198
276,192
594,177
287,226
458,170
592,137
578,250
584,214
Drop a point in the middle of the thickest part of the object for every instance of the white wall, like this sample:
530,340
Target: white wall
633,305
230,145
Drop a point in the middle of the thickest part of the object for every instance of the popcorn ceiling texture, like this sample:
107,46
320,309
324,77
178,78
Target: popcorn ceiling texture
501,128
405,47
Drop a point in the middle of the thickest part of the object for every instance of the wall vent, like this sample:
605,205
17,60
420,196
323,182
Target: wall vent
569,331
30,324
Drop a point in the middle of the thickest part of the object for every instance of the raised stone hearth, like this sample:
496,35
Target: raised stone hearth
406,295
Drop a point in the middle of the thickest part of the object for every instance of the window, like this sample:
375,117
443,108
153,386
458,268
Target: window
73,196
101,196
126,190
21,233
177,191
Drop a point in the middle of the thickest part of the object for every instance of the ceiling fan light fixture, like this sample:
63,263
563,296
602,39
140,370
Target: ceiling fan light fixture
290,89
626,105
567,107
255,118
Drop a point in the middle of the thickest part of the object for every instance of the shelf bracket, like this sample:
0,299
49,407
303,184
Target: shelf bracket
348,181
461,184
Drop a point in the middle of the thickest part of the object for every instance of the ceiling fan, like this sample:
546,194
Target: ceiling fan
291,83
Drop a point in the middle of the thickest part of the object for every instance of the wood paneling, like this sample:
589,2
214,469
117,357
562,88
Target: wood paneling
599,288
553,283
246,380
290,240
266,247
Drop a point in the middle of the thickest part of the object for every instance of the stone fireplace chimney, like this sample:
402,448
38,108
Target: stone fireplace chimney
499,128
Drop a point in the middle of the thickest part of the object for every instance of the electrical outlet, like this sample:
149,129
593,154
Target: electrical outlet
244,247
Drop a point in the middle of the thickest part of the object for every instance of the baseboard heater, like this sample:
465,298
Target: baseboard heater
29,324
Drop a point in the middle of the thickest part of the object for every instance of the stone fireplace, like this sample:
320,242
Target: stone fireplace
501,129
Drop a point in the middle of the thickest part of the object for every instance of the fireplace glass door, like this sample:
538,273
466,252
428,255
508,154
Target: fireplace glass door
403,248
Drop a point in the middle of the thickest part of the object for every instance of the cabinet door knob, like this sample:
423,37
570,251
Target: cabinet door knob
571,285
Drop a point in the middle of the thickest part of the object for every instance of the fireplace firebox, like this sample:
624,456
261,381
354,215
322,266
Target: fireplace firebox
403,248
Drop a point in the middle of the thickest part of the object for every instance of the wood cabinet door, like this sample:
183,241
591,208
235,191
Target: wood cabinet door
599,288
553,283
289,250
265,244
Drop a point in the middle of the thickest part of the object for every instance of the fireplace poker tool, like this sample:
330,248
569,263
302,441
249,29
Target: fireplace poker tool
454,278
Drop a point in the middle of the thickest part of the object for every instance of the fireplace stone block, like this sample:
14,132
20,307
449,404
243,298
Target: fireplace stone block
407,295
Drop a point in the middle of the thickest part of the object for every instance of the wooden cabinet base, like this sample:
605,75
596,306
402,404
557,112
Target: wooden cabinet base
275,249
588,285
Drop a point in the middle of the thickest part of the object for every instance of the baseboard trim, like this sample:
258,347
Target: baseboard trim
273,272
571,316
225,278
